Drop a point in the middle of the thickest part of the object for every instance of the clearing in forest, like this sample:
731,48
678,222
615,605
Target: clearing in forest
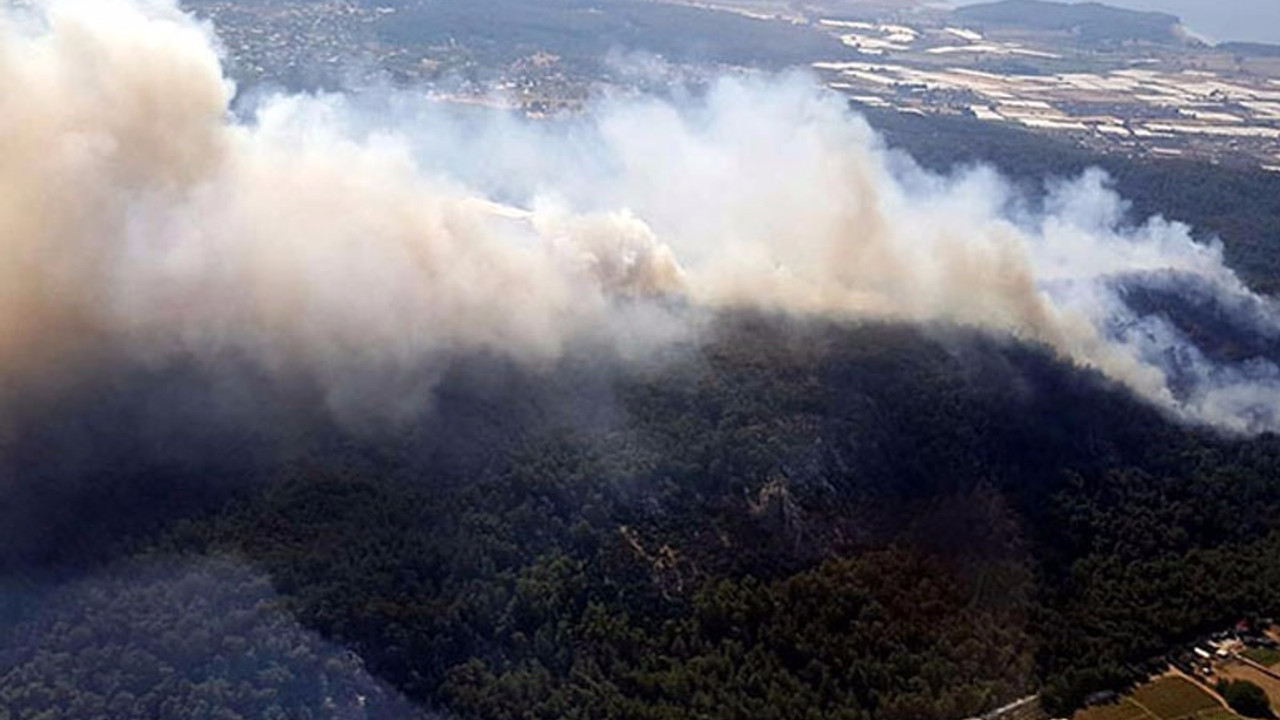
1169,698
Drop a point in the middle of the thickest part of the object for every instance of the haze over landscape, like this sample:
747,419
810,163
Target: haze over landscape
637,359
1251,20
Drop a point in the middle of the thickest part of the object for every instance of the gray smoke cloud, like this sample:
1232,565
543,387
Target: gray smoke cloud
377,235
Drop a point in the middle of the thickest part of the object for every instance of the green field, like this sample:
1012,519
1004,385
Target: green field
1174,697
1263,656
1123,710
1170,698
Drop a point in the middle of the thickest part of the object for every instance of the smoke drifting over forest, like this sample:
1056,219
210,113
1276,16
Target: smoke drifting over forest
376,235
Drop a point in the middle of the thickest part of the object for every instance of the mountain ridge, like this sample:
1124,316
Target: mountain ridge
1089,21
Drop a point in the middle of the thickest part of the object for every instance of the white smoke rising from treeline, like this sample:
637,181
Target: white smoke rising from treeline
348,237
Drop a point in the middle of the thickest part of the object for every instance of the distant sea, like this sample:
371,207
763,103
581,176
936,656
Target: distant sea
1215,20
1220,20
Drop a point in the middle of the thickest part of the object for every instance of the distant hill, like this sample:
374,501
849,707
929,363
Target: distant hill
1250,49
787,519
1091,21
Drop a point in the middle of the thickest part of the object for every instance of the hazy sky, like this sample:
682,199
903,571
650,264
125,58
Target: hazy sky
1257,20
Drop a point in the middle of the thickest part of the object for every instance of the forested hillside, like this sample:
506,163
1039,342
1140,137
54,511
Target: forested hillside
784,519
1088,22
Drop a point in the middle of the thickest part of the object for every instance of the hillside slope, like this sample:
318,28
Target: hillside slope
787,519
1089,21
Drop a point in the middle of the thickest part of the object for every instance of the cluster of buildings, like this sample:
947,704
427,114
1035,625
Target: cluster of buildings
289,42
1201,658
1115,102
333,42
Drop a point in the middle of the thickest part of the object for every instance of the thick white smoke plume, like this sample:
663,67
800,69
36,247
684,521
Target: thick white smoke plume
343,236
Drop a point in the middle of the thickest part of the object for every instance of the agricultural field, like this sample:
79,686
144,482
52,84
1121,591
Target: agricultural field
1169,698
1220,713
1263,656
1125,709
1174,697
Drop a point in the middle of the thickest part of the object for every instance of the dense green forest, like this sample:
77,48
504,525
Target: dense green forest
178,638
777,518
782,519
